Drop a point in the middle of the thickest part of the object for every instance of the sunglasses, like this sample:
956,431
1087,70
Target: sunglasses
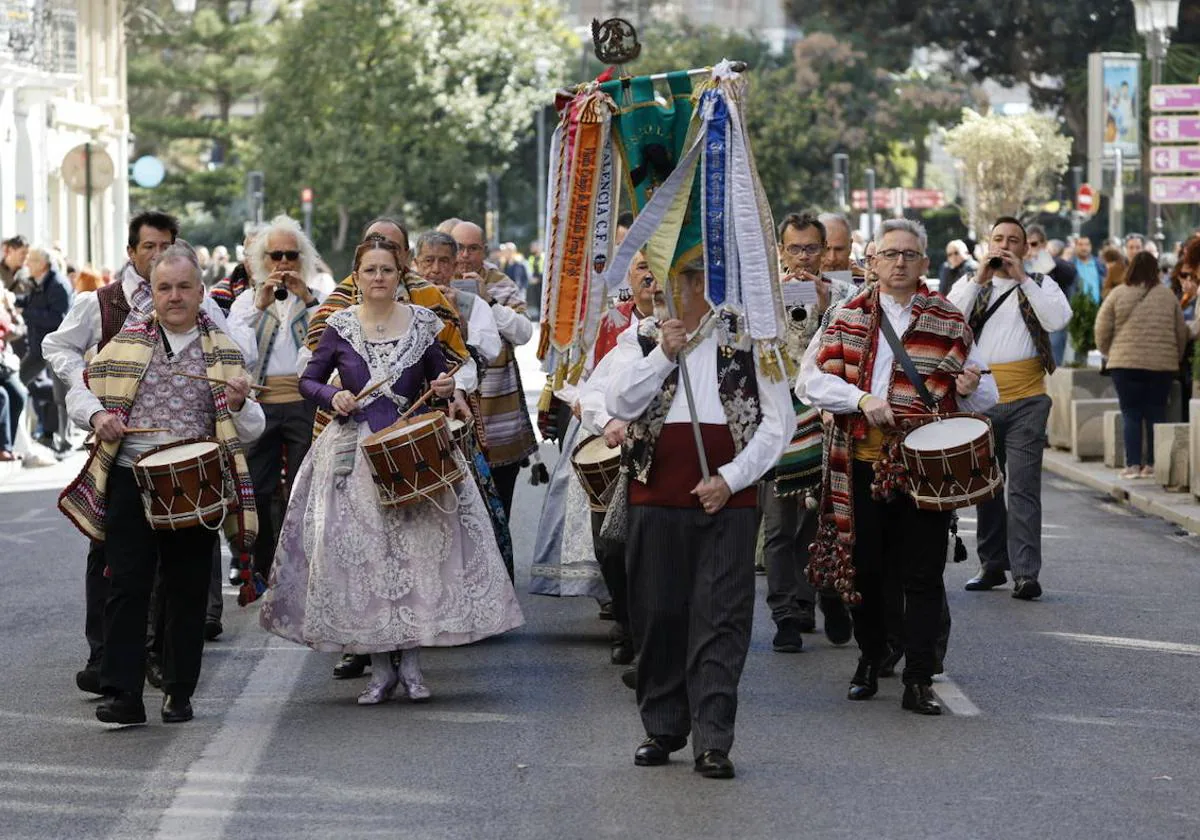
291,256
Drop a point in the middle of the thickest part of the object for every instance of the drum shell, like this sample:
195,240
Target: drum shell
460,436
186,493
598,478
973,475
412,466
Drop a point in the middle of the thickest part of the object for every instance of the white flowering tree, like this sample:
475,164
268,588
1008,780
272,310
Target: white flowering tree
1008,161
405,106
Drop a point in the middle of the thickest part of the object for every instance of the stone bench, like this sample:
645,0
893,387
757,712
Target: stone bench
1066,385
1087,427
1114,439
1172,455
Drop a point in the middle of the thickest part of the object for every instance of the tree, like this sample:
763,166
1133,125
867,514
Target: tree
186,78
1007,160
419,101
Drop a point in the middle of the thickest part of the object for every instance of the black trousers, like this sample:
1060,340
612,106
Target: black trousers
506,484
611,557
899,549
95,593
691,605
289,429
133,552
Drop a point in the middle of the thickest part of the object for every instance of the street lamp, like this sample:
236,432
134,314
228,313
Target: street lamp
1155,19
542,67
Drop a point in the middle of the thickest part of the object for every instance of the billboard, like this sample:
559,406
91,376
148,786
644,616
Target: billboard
1114,111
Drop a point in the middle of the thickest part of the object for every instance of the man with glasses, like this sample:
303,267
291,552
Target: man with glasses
1012,314
1039,258
871,546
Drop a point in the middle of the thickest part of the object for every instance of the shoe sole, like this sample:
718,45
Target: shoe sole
645,762
839,638
860,697
787,648
716,774
103,718
926,712
178,719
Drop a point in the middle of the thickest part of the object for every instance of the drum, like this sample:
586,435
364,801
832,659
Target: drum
460,433
597,465
412,459
183,484
950,463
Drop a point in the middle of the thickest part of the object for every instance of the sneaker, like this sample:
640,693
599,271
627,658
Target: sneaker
1147,471
38,459
1026,589
1130,472
787,637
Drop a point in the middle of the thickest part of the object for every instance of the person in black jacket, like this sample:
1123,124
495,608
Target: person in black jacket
43,309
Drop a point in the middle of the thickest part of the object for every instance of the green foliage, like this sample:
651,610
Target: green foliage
1082,327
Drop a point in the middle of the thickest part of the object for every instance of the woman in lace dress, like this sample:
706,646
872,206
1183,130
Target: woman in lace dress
350,575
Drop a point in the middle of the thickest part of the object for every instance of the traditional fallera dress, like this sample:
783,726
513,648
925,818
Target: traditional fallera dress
353,576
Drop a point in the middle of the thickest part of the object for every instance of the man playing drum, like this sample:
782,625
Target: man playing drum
871,537
1012,315
174,371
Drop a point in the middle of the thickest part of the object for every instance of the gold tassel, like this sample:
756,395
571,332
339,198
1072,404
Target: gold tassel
546,397
576,371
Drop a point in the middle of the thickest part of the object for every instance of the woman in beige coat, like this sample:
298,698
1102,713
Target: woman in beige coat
1141,332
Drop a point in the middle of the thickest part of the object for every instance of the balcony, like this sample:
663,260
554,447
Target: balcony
38,36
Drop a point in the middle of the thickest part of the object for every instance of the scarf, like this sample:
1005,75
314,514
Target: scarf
1041,338
266,333
113,376
938,341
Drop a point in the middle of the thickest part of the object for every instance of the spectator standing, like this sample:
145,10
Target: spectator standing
218,267
958,264
537,270
1114,269
514,266
1135,243
1041,258
12,263
1089,270
44,308
1140,329
12,392
1184,285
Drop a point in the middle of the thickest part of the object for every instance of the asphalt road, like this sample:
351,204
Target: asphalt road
1078,716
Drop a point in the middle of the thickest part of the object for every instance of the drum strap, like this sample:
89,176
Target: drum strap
910,370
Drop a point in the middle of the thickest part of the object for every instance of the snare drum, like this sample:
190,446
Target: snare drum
183,484
597,465
412,459
950,463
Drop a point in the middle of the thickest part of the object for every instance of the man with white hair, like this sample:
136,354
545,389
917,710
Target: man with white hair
44,308
277,308
958,264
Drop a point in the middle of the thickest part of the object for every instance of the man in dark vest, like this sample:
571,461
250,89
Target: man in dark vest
91,323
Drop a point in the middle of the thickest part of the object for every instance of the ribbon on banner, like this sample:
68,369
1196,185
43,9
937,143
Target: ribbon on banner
714,193
601,251
555,200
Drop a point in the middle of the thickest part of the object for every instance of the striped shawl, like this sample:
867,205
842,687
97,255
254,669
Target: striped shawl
938,341
113,376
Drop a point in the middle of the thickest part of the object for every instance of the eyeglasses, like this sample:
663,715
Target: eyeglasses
378,271
892,255
290,256
807,250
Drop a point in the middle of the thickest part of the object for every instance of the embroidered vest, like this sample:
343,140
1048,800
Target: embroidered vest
185,406
1041,338
114,309
737,386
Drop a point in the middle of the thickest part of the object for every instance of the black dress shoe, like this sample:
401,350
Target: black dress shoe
986,580
351,666
865,683
154,674
787,637
629,678
714,764
88,680
656,750
887,668
176,709
125,709
920,699
839,627
212,629
1026,589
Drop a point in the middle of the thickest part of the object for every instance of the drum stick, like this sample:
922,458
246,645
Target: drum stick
425,397
146,431
217,381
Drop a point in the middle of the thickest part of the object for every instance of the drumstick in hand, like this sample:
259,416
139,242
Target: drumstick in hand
146,431
425,397
217,381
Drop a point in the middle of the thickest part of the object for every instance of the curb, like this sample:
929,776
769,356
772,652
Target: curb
1180,515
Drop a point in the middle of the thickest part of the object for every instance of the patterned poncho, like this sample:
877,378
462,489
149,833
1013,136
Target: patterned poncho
938,341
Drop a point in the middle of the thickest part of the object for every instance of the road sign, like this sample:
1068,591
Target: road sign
79,160
1174,129
924,199
1177,190
1085,199
1168,159
889,199
1174,98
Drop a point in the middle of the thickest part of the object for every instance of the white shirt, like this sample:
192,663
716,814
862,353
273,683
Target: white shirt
482,332
592,392
82,403
79,332
516,328
1005,338
829,392
637,379
285,355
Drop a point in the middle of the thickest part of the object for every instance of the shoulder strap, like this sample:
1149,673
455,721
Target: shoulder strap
977,327
910,370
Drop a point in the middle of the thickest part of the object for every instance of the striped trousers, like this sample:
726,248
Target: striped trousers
691,606
1009,536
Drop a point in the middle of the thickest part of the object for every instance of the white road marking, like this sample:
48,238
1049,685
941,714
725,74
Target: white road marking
467,717
233,753
1128,644
21,540
953,698
57,720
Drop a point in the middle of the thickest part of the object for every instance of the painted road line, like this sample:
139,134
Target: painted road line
1128,644
953,698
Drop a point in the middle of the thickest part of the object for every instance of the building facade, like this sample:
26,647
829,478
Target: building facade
62,101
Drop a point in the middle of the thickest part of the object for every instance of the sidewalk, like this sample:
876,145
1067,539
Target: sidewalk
1143,494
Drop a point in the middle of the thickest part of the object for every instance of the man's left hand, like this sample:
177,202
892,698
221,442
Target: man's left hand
968,381
458,407
713,494
237,388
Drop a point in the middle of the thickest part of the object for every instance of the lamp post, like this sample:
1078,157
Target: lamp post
1155,19
541,67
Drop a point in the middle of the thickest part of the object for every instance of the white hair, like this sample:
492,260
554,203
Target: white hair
905,226
178,252
957,246
256,253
